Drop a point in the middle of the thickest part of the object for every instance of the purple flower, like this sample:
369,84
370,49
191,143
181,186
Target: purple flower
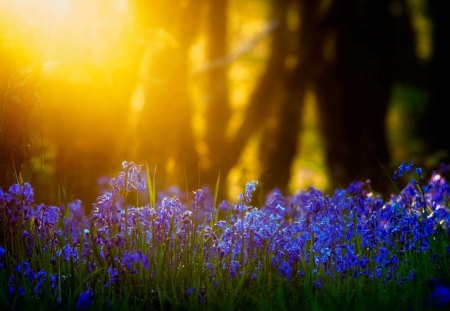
76,210
131,175
403,169
24,191
113,276
68,252
419,171
53,281
41,279
47,216
84,301
224,206
189,291
249,189
130,259
440,297
199,198
286,269
221,224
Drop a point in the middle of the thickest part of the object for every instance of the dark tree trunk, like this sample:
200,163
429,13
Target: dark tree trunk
262,96
406,66
353,91
279,150
279,144
436,125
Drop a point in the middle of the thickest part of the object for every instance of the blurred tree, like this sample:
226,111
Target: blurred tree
344,53
165,122
17,105
342,49
259,106
218,106
436,125
353,87
406,66
347,53
278,146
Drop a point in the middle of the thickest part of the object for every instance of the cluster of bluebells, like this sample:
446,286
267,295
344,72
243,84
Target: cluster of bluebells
351,233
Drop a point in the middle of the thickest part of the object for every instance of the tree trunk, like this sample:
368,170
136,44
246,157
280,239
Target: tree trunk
353,91
436,125
218,110
279,144
262,96
167,133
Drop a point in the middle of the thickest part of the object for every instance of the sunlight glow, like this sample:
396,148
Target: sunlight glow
101,63
63,31
138,98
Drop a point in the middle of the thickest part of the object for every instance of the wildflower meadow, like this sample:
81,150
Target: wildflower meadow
139,249
266,145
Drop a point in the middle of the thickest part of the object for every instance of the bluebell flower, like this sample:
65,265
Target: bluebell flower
47,216
41,279
76,210
130,259
132,175
440,296
189,291
11,284
224,206
21,291
286,269
24,192
419,171
113,276
403,169
221,224
250,187
53,281
199,198
85,300
171,203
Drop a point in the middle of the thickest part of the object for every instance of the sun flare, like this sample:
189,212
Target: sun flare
64,33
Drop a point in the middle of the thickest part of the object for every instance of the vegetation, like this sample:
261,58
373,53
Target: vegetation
350,250
306,97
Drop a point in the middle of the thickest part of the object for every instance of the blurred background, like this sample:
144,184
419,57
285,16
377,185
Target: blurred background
294,93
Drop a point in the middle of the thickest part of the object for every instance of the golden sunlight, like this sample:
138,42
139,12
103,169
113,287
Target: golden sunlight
136,79
66,34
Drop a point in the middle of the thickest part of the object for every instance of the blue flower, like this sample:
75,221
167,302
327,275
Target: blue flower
113,276
286,269
84,301
249,189
130,259
24,191
419,171
199,198
440,297
76,210
403,169
47,216
189,291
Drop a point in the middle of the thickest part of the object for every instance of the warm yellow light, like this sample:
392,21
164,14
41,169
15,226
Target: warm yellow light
68,31
138,98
